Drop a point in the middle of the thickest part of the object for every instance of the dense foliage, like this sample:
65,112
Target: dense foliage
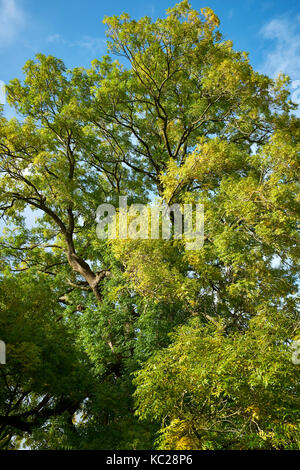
136,344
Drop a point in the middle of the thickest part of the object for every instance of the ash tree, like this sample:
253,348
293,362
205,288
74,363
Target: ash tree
136,344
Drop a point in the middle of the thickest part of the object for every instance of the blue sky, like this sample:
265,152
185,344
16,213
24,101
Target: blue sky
73,31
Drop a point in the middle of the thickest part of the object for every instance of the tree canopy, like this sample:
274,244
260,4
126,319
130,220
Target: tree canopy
137,344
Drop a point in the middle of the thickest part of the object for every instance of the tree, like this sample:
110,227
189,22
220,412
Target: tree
187,120
224,391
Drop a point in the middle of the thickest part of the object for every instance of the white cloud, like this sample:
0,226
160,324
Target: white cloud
93,44
11,20
285,55
54,38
